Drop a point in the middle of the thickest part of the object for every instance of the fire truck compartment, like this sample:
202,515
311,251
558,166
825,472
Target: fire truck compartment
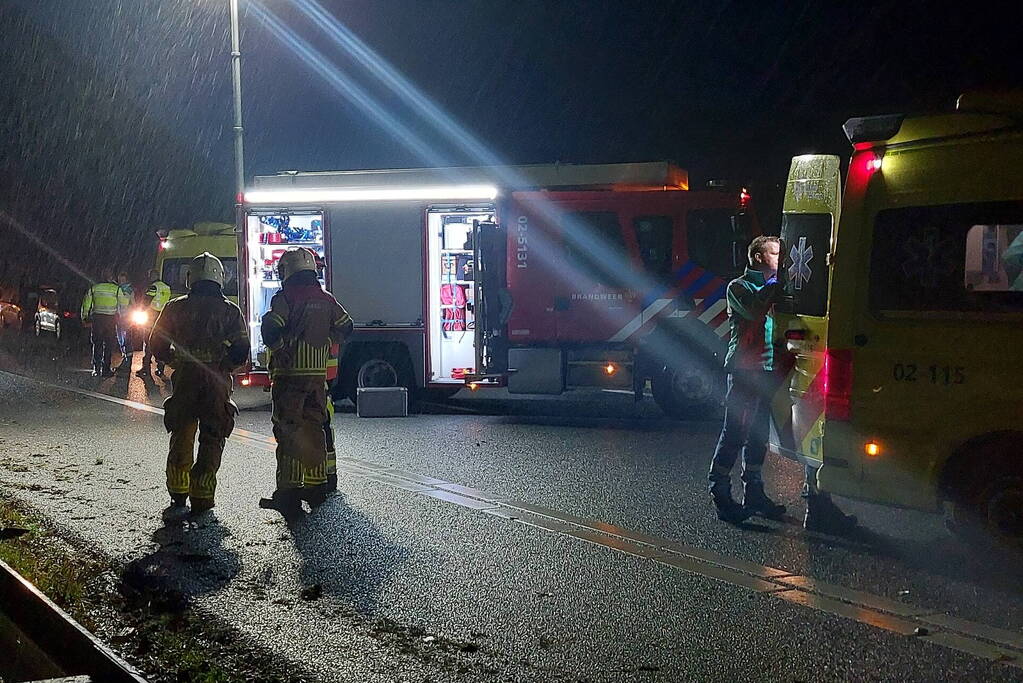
267,236
452,292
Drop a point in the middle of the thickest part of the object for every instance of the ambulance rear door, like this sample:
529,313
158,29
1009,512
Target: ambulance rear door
809,215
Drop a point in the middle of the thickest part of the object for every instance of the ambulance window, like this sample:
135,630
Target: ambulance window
594,246
175,272
654,234
953,257
709,238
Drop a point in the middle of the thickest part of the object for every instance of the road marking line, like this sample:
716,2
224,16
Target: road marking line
863,615
966,636
811,585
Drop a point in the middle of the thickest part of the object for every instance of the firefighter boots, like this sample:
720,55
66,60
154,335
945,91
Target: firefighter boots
756,502
315,495
823,515
728,510
178,500
288,502
201,505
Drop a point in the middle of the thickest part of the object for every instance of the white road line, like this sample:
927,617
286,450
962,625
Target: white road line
973,638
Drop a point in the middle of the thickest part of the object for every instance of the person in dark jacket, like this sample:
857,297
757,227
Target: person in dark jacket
750,364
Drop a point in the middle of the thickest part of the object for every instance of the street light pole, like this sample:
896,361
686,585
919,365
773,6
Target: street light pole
239,153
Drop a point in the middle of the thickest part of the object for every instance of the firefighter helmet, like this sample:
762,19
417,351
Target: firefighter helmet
205,266
296,260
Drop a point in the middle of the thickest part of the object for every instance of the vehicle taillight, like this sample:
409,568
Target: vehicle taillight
838,379
68,314
744,197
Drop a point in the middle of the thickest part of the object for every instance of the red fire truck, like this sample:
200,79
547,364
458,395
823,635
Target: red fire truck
537,278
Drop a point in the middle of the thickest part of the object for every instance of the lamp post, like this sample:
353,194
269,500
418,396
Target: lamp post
239,153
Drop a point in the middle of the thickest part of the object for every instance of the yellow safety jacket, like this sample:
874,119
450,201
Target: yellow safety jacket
100,299
159,294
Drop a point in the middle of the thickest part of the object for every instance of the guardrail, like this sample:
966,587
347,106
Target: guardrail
61,641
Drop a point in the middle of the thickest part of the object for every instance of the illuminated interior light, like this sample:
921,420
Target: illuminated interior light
872,448
371,195
473,386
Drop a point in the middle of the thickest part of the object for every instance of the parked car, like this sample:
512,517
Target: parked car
54,315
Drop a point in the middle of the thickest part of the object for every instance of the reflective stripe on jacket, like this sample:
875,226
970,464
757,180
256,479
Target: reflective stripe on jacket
100,299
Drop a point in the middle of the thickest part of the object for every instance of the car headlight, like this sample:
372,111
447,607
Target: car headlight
139,317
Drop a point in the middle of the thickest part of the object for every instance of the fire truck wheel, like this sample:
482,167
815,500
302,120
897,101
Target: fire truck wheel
685,393
387,367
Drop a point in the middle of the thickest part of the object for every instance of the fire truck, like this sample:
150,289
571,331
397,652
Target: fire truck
537,278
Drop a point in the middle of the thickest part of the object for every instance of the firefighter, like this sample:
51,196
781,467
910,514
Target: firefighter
328,426
750,363
157,295
203,336
99,307
125,298
303,322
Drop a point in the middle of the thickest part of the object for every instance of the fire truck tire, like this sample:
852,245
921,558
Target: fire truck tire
386,366
686,393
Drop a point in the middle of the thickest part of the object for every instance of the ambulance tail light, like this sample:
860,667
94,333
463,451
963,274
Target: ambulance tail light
838,379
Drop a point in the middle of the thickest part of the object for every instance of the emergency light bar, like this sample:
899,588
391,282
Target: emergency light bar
312,196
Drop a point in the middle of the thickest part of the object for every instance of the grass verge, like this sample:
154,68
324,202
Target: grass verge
183,646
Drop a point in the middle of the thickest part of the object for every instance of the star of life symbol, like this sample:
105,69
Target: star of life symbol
800,271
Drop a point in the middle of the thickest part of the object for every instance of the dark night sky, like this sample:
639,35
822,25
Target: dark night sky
723,88
727,90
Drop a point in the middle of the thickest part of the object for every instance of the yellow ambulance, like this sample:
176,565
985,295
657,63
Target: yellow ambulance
905,315
179,246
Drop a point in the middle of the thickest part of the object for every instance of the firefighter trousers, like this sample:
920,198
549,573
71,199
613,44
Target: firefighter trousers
317,475
104,338
201,403
299,414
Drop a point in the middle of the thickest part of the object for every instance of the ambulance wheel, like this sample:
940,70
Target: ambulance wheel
995,515
687,392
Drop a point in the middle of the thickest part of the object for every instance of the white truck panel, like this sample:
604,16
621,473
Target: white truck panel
376,260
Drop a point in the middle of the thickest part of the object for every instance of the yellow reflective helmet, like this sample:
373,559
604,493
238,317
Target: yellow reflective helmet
205,266
296,260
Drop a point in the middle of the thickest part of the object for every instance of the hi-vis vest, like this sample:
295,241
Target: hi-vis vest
159,294
100,299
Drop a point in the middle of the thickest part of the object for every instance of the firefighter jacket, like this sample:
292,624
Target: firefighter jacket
158,294
750,313
125,298
100,299
203,327
303,322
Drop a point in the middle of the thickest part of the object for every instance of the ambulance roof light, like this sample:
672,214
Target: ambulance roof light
872,128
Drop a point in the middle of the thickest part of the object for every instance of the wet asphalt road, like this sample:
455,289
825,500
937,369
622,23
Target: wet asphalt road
415,587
